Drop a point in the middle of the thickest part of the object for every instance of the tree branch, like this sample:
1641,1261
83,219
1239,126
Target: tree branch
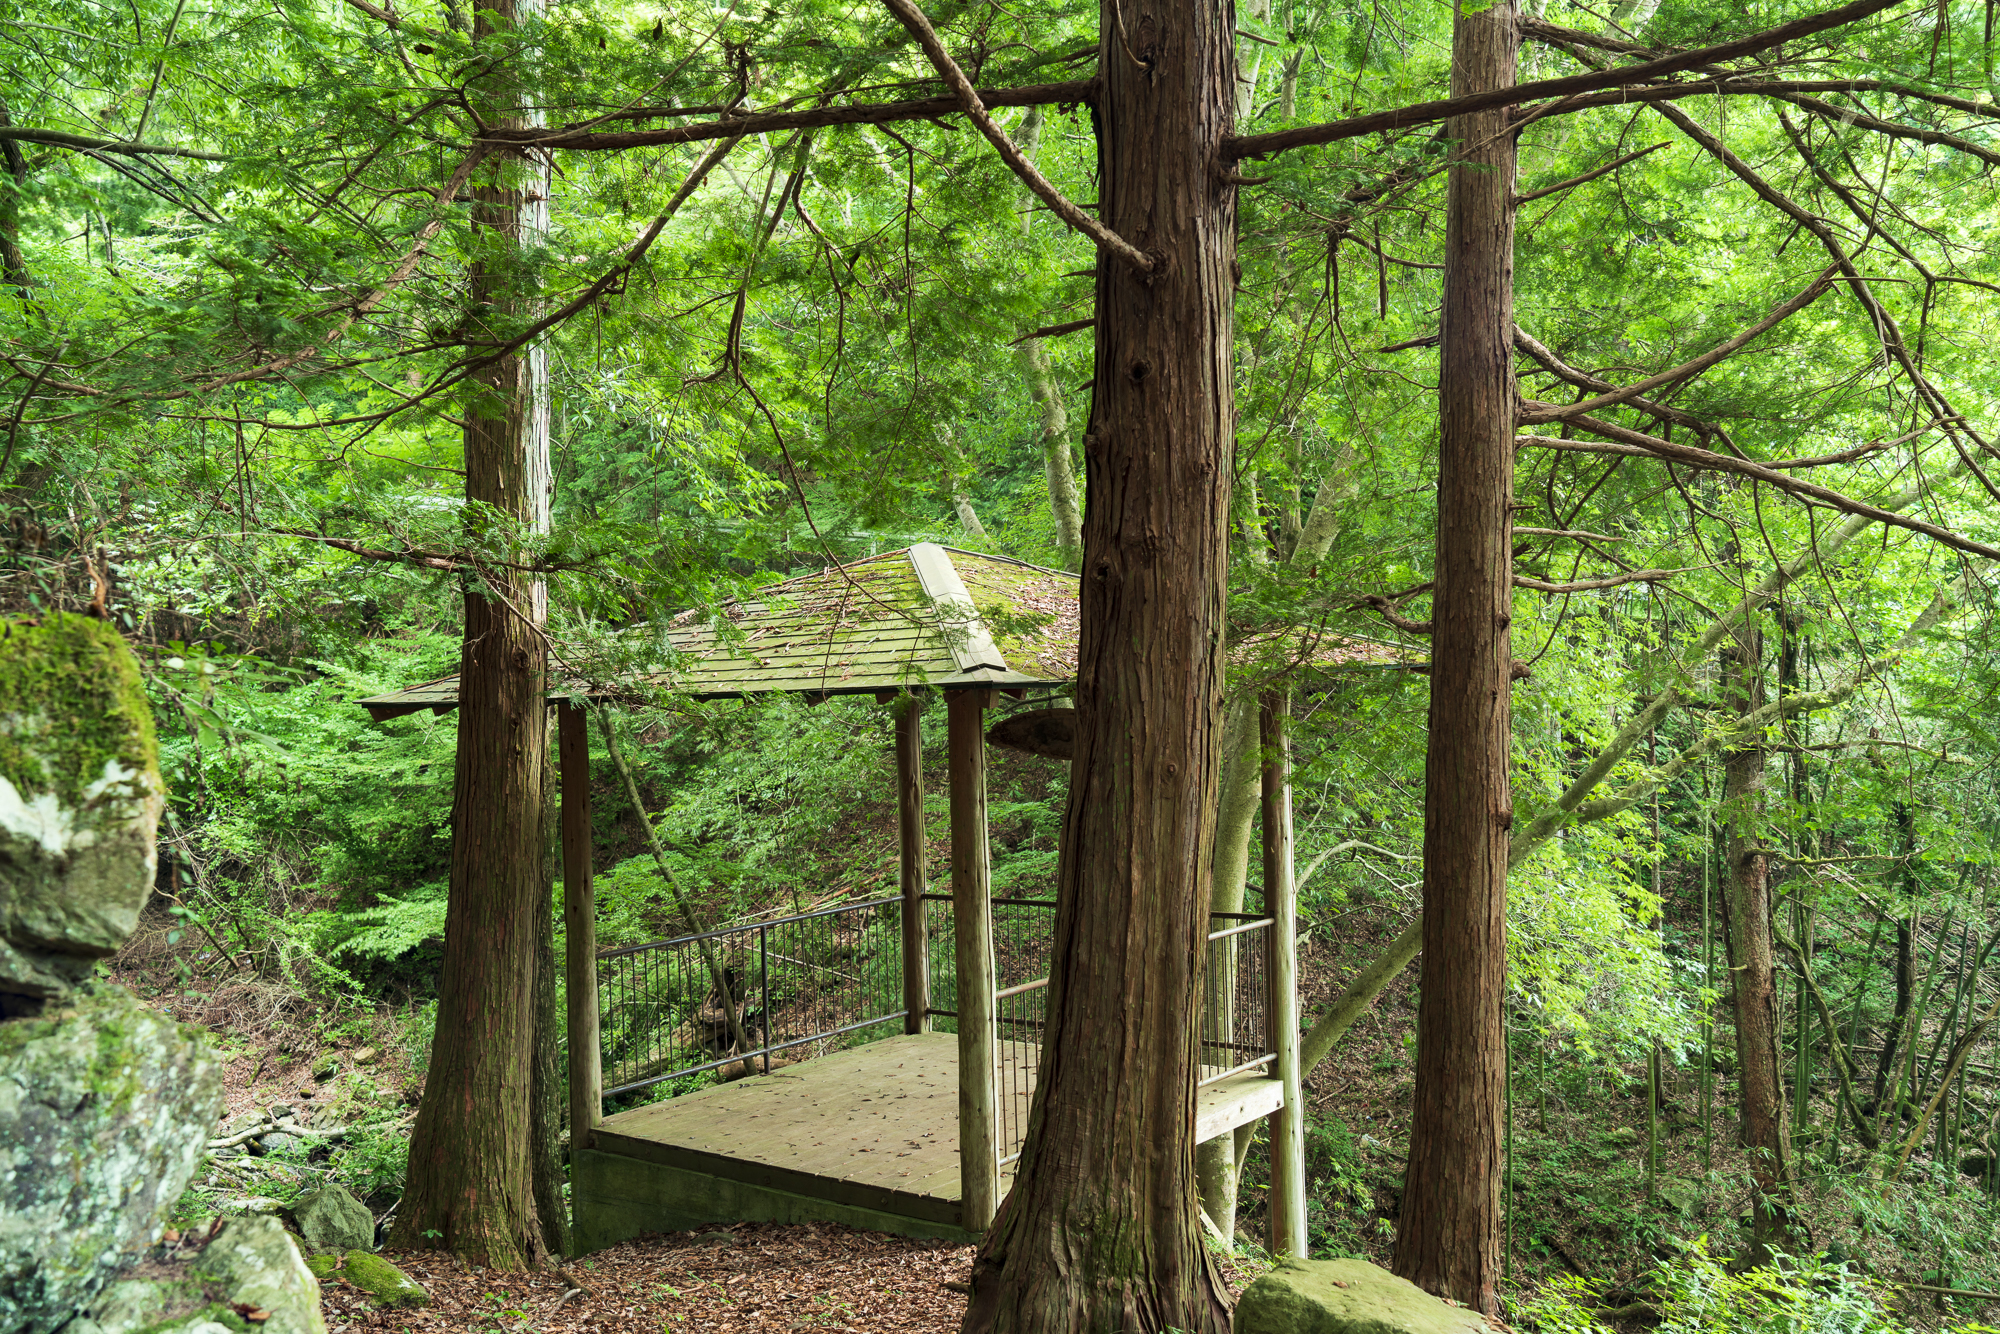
1558,412
1590,585
1584,380
1575,181
1425,113
1057,330
769,122
83,143
1763,472
1038,185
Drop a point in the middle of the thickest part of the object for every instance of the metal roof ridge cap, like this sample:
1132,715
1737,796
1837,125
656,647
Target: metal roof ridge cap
941,584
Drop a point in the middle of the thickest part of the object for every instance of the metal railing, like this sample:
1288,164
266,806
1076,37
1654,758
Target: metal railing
733,999
1235,1028
1023,944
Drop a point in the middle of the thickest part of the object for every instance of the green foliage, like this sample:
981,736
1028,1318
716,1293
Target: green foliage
1695,1293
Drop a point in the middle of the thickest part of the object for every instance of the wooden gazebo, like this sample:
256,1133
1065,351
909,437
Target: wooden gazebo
911,1132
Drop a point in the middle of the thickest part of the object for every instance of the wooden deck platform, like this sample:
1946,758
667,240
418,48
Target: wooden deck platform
866,1136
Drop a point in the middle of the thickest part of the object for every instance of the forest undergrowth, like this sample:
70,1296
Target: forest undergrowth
308,963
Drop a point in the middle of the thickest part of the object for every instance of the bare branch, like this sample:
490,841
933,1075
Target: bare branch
1575,181
1591,585
1426,113
771,122
1057,330
1558,412
1763,472
1017,162
1583,379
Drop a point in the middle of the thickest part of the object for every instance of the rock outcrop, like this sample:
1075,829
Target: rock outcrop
1346,1297
80,799
105,1105
104,1108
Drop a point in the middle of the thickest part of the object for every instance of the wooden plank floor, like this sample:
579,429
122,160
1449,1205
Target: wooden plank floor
874,1126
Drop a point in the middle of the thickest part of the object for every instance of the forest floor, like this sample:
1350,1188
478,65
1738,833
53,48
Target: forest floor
745,1279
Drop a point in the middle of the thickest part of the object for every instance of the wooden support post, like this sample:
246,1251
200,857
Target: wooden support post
586,1074
1288,1142
972,921
910,837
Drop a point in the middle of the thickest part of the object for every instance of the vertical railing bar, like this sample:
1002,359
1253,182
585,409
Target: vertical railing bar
764,972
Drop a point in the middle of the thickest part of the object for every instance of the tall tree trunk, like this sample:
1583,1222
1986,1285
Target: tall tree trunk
1448,1238
1747,888
1100,1232
472,1154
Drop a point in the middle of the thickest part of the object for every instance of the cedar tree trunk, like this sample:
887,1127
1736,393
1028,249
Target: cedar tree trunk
471,1172
1101,1231
1748,890
1448,1238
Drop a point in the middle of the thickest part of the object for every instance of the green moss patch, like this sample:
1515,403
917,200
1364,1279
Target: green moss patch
71,700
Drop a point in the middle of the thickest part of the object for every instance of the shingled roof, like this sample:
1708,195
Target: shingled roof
924,615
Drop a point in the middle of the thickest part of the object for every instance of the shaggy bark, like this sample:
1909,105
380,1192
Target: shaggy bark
1100,1232
1448,1238
472,1153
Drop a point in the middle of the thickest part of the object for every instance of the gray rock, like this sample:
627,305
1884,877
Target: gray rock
80,799
252,1263
104,1108
1346,1297
330,1219
277,1140
259,1264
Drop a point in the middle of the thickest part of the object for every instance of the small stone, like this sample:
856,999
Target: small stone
384,1284
280,1111
715,1239
251,1204
330,1219
277,1142
1621,1138
326,1067
365,1055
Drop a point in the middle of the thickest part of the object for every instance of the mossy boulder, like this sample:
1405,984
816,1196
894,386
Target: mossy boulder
1346,1297
105,1106
384,1284
250,1278
80,799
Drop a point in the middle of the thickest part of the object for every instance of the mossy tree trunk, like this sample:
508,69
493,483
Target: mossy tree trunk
1101,1231
471,1182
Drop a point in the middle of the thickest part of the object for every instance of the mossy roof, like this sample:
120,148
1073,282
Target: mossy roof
925,615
